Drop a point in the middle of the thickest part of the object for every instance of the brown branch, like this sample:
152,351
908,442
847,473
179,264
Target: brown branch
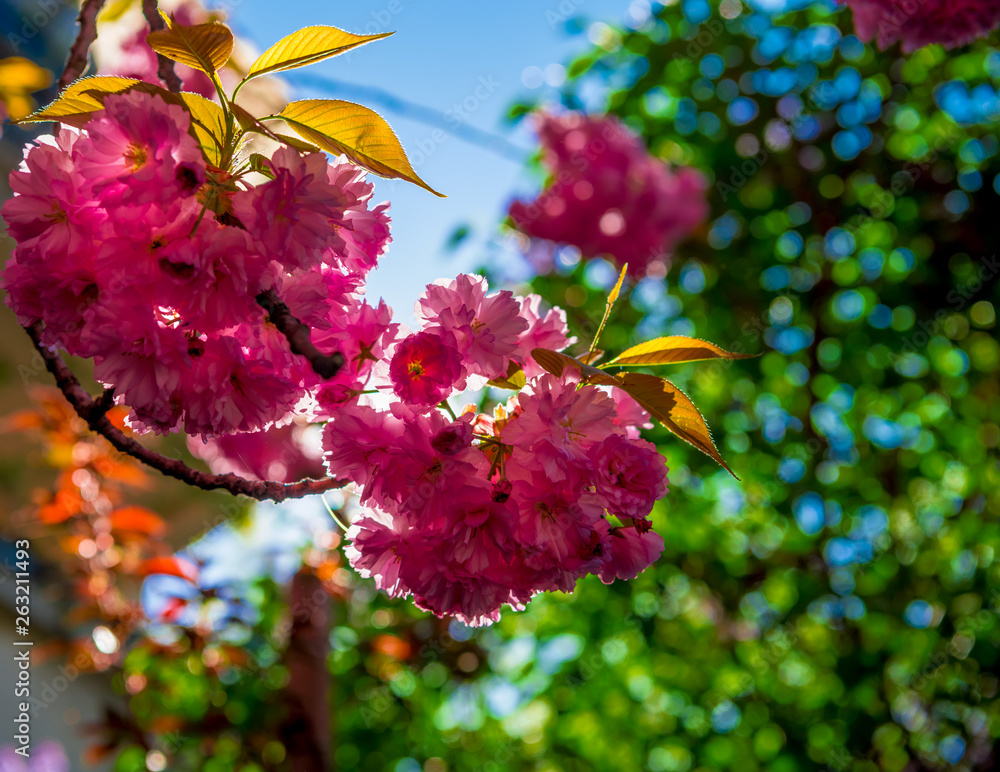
165,67
325,366
79,52
94,412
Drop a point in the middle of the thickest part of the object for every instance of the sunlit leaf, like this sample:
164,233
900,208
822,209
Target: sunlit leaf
261,164
307,46
671,349
612,297
249,123
83,98
357,132
208,123
672,408
664,401
206,47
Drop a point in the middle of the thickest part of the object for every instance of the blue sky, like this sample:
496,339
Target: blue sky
472,55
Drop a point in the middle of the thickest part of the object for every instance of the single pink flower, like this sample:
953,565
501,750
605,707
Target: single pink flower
292,216
629,552
426,367
138,151
629,475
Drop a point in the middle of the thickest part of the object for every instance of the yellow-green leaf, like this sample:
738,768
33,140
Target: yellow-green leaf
357,132
613,295
555,363
208,125
672,408
514,379
81,99
671,349
206,47
261,164
307,46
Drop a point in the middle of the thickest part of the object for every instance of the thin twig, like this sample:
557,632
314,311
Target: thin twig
79,52
165,67
94,412
325,365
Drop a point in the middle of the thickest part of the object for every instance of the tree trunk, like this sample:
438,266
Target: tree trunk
306,733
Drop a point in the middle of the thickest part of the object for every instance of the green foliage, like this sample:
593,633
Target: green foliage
837,609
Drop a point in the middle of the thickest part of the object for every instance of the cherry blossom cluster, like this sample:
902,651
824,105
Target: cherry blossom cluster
471,513
918,23
133,252
609,196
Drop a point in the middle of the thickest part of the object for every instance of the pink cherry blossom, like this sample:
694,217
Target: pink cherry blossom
426,367
629,552
138,151
121,261
486,326
951,23
293,215
548,330
629,475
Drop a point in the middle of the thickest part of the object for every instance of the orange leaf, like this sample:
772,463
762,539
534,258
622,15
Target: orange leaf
205,47
64,505
672,408
171,566
671,349
124,471
138,520
21,421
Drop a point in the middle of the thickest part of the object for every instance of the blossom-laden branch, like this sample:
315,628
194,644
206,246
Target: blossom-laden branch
79,52
94,412
325,366
165,69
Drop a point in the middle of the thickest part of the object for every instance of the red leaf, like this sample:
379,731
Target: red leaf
171,566
138,520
